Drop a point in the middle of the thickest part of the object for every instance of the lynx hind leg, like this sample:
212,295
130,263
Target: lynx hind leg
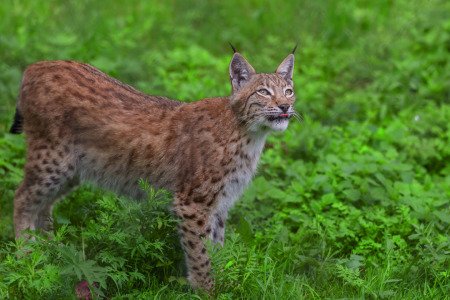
195,224
49,174
45,219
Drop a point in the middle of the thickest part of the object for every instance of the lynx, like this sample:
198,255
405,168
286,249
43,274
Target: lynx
82,125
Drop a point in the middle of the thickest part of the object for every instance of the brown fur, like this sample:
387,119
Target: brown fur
82,125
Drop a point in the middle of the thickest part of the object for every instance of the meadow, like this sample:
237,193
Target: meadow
351,203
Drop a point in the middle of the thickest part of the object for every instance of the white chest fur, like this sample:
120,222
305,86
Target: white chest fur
246,165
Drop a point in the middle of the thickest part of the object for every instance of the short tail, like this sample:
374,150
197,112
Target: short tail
17,126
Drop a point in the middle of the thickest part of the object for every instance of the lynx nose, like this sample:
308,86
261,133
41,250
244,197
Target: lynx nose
284,107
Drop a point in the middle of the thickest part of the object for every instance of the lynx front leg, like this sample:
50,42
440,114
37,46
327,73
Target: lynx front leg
218,227
197,260
194,226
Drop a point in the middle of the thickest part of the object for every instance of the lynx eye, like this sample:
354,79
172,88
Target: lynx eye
288,92
263,92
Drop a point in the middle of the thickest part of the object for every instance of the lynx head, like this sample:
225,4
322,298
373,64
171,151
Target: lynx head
262,102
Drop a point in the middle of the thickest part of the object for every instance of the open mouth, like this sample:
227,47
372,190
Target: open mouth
279,117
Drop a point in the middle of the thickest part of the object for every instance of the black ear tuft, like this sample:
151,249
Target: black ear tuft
234,50
295,48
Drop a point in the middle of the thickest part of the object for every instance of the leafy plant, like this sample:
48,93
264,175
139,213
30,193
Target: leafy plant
353,202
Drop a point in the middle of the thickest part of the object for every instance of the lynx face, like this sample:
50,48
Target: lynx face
264,101
270,106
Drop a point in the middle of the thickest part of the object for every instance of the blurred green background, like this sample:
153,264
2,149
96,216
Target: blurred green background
355,200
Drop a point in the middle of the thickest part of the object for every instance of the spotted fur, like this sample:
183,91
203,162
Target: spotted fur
82,125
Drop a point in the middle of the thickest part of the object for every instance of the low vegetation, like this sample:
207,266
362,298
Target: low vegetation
353,202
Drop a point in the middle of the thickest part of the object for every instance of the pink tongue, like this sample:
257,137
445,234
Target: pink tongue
283,115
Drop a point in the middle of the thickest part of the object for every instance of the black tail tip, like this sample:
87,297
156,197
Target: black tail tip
15,129
17,126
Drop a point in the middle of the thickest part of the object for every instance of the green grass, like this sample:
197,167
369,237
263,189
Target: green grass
351,203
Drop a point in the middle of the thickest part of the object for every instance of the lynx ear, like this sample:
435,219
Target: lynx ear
286,68
240,71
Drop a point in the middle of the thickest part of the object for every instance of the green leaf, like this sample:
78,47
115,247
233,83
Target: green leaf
246,232
352,194
443,216
229,264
